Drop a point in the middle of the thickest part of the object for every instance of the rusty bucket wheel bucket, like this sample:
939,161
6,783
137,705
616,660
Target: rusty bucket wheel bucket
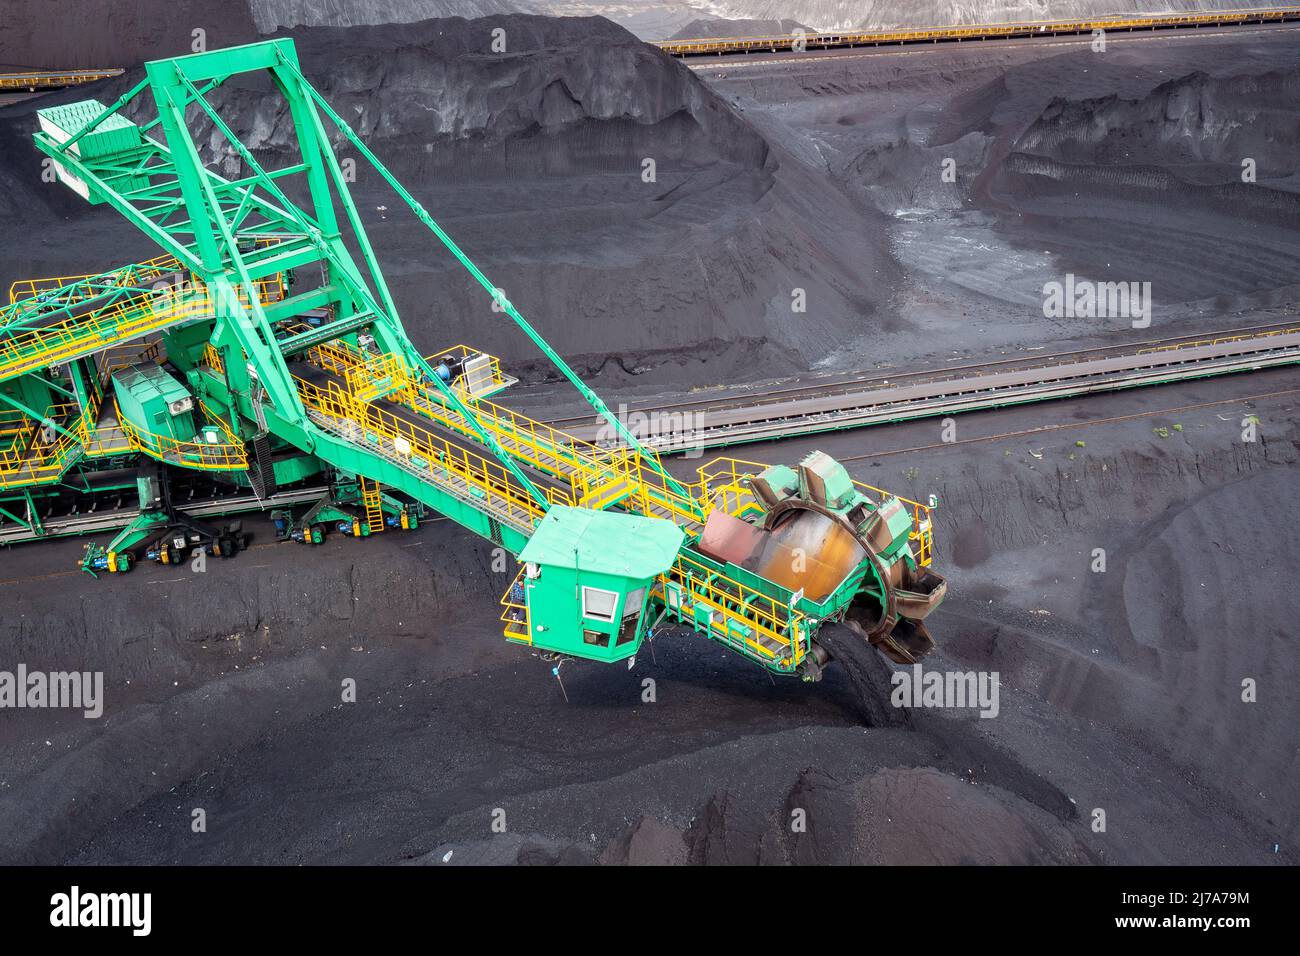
891,604
822,537
878,615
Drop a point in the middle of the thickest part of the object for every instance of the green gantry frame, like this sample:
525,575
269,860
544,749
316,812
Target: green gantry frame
231,233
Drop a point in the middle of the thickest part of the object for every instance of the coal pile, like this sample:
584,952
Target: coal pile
636,217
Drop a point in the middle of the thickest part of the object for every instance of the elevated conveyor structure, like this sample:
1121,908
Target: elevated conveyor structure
784,412
259,351
33,80
803,41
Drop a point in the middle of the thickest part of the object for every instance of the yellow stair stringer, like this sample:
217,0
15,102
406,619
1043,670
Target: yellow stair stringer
373,502
515,615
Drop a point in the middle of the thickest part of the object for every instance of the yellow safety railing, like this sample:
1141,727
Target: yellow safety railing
14,425
338,357
366,373
226,455
127,318
138,274
97,442
723,485
514,614
373,375
498,377
111,440
725,480
488,483
35,462
583,465
377,377
731,600
554,452
558,497
212,358
119,356
537,442
1221,340
16,454
52,79
27,460
811,40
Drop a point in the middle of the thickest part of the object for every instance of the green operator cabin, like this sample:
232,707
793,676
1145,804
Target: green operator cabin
588,576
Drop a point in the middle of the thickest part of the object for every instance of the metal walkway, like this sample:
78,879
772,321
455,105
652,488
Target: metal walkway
585,471
580,469
51,321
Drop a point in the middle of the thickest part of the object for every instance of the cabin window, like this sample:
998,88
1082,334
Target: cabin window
597,638
599,604
631,617
627,632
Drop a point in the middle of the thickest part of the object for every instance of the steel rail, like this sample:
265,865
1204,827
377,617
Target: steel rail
89,522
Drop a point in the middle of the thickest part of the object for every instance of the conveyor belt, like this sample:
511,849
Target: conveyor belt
945,394
34,318
53,79
806,42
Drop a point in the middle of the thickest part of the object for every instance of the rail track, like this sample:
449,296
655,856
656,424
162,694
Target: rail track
790,411
88,522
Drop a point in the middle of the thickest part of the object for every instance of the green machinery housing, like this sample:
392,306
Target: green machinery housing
588,577
259,362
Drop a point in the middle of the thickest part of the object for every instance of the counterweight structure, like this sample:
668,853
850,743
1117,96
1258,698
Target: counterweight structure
259,356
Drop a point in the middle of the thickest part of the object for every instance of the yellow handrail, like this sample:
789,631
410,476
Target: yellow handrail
40,464
227,455
49,79
515,616
729,476
136,274
718,592
128,318
423,452
583,465
1221,340
814,39
466,351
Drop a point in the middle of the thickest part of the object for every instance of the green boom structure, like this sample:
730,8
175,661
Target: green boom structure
257,363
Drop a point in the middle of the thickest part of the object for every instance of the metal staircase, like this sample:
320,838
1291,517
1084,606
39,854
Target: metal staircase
374,505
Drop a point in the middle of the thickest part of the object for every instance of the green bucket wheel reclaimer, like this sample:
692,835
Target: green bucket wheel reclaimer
219,358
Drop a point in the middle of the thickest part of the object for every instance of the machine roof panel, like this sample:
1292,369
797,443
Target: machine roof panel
607,542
